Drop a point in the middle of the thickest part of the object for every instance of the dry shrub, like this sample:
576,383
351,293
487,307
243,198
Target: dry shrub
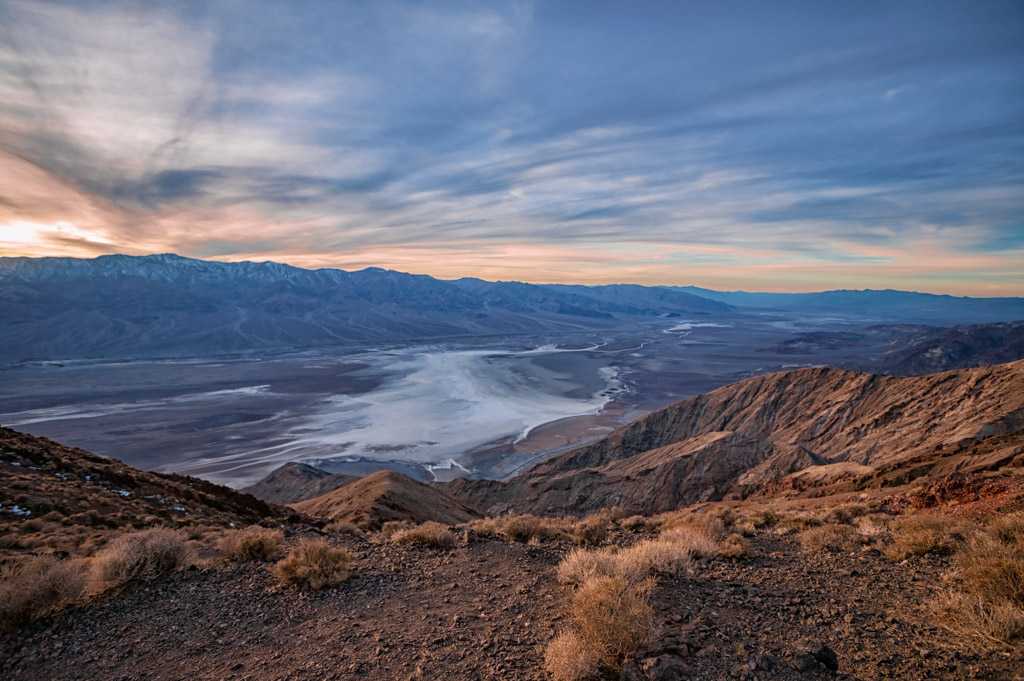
1007,529
252,543
833,538
795,522
987,604
745,527
344,527
654,556
36,587
635,522
568,658
649,557
137,554
845,513
579,565
700,539
392,526
520,528
978,619
766,519
612,617
591,531
429,533
872,527
314,564
734,546
925,534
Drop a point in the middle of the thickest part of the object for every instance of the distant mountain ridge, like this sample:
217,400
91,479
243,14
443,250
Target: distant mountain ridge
165,304
169,305
904,306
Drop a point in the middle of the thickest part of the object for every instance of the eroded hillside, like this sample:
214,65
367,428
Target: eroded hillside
773,433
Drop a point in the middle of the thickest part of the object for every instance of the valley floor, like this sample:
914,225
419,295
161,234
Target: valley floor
485,610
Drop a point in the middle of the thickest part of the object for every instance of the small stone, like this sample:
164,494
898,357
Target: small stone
811,655
663,668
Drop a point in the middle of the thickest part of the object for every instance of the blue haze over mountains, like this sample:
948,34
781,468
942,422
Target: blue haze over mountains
167,305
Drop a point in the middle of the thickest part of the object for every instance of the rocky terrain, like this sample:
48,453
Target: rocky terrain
485,608
813,524
772,433
296,482
371,501
958,347
63,499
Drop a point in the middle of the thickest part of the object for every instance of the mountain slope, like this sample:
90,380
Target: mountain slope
746,438
371,501
72,493
959,347
115,306
294,482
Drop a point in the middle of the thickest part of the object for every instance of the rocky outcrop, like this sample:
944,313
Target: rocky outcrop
786,431
296,482
371,501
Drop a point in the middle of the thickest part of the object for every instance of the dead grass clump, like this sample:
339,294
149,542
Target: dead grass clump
579,565
654,556
520,528
636,523
591,531
987,602
701,540
252,543
925,534
36,587
612,617
1007,529
344,527
993,570
845,513
734,546
137,554
393,526
314,564
833,538
429,533
645,558
765,519
568,658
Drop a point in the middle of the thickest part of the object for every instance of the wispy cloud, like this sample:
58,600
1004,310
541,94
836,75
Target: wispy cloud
522,141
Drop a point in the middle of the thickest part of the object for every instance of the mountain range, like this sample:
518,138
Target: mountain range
168,305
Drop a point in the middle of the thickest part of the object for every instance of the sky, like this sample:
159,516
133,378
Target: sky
762,146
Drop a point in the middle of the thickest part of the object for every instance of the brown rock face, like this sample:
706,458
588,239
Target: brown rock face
375,499
296,482
782,432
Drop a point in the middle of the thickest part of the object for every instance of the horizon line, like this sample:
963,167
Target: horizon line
500,281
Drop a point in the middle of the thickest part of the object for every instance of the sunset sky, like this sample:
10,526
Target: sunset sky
756,145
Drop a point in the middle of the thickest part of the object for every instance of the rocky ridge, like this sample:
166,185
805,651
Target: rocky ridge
777,432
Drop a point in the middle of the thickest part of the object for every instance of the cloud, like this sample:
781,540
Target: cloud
522,141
